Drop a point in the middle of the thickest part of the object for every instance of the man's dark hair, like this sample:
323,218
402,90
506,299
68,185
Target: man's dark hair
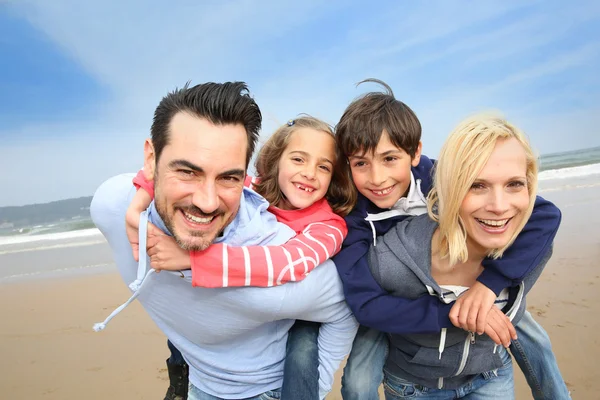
365,119
220,103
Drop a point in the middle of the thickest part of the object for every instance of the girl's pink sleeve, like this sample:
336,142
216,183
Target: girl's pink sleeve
140,181
226,266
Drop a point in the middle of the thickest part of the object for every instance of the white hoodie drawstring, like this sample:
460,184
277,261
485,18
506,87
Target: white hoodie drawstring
374,233
142,274
101,325
442,342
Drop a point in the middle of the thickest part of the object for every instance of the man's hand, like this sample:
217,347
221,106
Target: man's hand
471,309
165,253
139,203
499,328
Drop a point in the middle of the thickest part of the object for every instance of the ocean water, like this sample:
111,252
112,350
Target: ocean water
559,171
570,159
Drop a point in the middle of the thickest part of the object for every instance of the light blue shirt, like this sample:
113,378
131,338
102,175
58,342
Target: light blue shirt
234,339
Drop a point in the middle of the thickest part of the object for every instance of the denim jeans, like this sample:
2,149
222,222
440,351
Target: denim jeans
533,352
363,372
492,385
196,394
301,367
176,358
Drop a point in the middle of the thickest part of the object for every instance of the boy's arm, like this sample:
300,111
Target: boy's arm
226,266
372,305
528,250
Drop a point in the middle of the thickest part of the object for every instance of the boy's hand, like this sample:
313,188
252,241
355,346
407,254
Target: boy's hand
499,328
141,200
165,253
471,309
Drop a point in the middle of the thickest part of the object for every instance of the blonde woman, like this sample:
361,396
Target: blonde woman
484,192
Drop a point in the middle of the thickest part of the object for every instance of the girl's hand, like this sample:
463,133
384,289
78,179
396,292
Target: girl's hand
139,203
165,253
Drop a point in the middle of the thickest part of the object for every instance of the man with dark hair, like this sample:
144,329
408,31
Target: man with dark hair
234,339
228,103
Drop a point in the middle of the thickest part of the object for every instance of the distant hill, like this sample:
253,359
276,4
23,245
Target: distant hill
47,213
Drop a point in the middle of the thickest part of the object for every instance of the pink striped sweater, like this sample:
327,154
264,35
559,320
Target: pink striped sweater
319,235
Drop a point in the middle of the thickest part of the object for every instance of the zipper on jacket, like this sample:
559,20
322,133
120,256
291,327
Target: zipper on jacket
463,360
472,334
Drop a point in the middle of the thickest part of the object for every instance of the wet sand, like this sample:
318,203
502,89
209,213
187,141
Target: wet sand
49,350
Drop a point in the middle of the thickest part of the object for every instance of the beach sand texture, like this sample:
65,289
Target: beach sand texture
49,351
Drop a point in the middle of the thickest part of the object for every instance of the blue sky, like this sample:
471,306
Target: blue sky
79,81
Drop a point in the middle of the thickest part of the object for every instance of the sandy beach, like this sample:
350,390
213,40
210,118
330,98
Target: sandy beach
49,350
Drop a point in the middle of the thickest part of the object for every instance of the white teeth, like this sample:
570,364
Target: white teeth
384,191
198,220
302,187
495,223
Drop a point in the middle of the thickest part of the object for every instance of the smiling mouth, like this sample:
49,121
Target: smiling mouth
494,223
305,188
198,220
383,192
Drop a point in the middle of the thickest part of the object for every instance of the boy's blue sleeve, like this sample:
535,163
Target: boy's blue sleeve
372,305
528,250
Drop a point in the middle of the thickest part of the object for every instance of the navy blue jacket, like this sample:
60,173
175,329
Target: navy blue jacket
376,308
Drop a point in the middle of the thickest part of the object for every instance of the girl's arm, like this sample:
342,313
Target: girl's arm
225,266
221,265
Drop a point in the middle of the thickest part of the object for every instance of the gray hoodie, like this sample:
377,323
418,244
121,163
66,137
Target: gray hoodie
401,264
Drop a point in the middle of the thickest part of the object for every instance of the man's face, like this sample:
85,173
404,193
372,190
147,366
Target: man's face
383,176
199,178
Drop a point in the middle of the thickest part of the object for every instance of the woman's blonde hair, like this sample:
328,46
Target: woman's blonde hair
341,194
463,156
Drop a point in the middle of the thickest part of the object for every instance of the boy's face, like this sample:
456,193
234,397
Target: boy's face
383,176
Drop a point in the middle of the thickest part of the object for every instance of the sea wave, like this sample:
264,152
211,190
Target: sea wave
572,172
8,240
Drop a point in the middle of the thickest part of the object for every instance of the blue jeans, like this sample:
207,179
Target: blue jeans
363,372
362,375
196,394
301,367
533,352
498,384
175,358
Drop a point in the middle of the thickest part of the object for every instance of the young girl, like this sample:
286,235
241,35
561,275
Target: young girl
306,181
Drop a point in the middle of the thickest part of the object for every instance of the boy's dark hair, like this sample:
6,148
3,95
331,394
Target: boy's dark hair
220,103
365,119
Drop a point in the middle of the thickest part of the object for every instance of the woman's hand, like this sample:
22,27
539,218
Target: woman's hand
139,203
165,253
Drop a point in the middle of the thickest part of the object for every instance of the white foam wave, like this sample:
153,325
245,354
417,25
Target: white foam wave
572,172
50,236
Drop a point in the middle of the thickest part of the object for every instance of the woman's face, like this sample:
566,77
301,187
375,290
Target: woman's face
497,201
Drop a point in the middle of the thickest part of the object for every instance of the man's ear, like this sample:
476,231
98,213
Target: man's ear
417,158
149,160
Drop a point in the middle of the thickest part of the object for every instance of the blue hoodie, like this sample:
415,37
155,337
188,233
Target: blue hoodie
377,308
234,339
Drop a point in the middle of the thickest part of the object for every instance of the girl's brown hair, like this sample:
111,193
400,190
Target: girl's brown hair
341,194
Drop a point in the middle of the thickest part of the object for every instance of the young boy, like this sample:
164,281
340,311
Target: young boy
381,136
